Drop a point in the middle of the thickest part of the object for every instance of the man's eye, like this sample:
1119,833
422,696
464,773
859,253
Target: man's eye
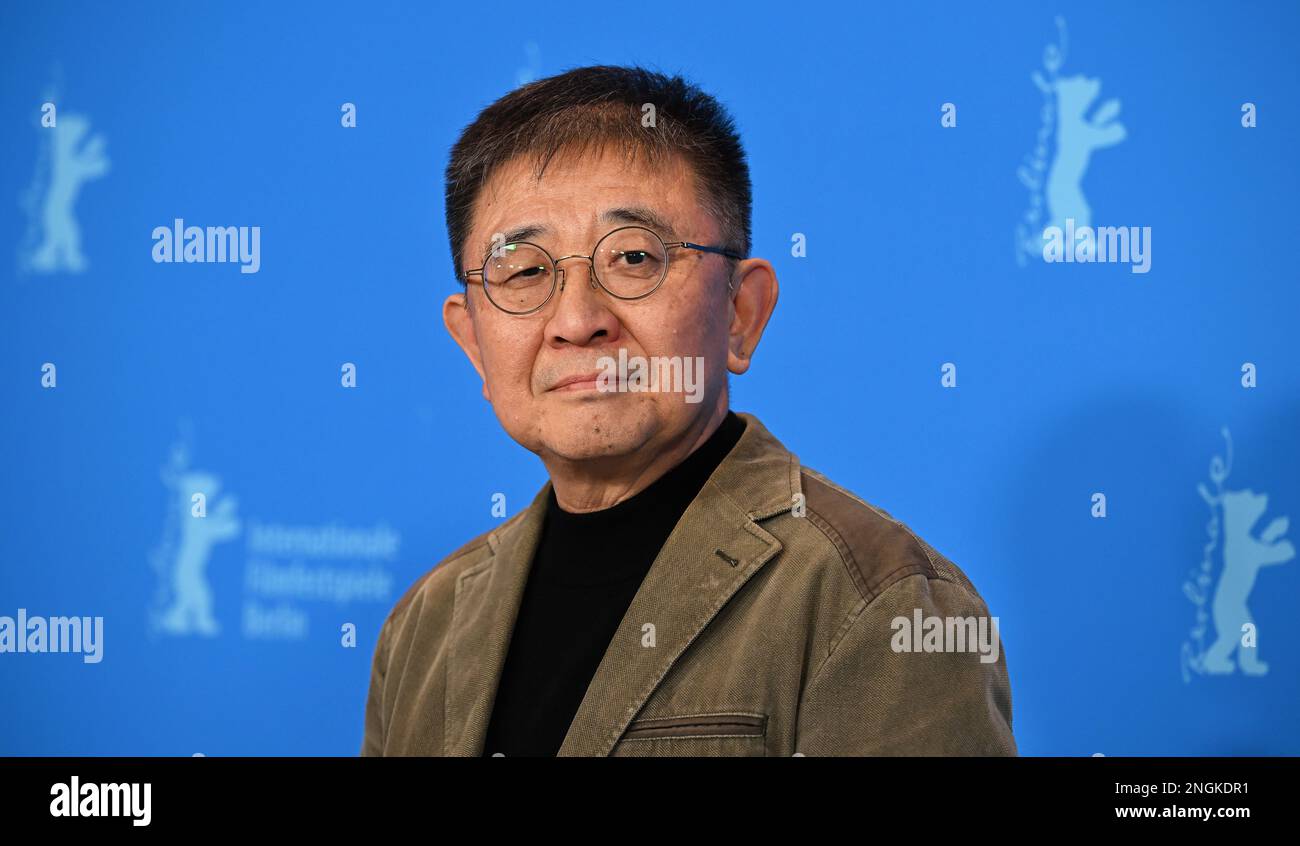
527,274
635,256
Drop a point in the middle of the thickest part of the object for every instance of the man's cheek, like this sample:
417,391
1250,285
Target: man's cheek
496,352
509,380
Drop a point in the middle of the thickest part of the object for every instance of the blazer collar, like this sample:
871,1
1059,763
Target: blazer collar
716,547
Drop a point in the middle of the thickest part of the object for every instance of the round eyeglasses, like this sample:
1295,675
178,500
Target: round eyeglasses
629,263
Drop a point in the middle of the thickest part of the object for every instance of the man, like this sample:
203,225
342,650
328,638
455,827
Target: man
681,585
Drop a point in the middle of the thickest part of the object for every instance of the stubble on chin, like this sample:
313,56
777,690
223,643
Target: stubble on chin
586,432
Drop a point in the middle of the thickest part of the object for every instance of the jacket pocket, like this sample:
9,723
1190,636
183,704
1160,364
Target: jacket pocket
697,726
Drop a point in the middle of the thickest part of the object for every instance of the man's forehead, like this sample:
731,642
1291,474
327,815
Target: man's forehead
625,215
586,190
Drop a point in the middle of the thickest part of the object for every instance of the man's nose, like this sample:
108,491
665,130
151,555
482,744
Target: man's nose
582,314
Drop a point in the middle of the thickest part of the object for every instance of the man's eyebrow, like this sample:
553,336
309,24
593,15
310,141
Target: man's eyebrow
519,233
633,215
641,216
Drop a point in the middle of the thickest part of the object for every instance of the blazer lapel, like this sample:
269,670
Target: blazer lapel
716,547
483,616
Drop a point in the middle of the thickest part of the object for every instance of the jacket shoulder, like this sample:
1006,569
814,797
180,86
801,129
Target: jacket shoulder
877,549
451,566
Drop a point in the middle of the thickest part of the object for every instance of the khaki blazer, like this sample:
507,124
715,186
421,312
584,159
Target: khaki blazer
769,624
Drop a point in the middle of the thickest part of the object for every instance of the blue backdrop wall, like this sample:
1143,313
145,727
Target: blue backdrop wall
932,136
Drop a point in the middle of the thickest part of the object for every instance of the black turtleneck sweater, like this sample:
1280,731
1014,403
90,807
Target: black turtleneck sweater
585,572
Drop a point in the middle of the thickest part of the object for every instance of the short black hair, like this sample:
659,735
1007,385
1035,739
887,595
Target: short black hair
592,108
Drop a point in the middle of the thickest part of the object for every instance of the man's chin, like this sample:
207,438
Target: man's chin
591,445
591,433
590,452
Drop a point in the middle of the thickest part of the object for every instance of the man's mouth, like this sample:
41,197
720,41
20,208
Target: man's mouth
577,382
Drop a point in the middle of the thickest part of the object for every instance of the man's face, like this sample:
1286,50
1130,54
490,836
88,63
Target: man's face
523,359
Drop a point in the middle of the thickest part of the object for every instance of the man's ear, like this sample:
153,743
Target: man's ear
753,298
460,324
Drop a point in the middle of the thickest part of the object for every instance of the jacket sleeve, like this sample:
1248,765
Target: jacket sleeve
869,697
372,744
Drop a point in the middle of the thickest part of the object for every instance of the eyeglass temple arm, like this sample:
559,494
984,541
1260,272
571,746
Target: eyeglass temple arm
719,250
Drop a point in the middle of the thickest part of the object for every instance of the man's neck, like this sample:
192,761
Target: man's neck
584,486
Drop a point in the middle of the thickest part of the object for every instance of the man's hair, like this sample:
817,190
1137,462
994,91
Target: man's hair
591,109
